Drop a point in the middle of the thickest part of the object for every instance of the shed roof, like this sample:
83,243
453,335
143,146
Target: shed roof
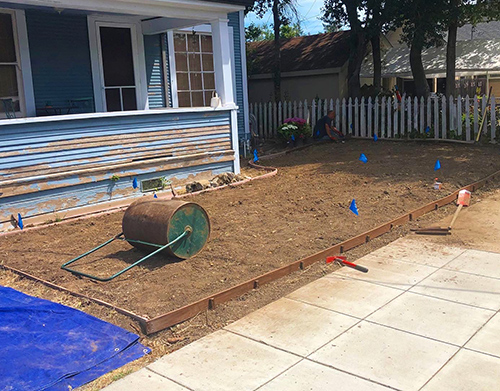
312,52
472,56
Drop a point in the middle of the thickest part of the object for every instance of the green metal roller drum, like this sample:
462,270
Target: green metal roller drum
162,221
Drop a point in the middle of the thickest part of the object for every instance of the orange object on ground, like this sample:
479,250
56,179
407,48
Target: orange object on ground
464,198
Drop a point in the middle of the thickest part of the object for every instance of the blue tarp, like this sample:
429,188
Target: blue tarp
48,346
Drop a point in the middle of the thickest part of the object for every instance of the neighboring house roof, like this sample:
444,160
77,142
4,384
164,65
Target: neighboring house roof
489,30
472,56
312,52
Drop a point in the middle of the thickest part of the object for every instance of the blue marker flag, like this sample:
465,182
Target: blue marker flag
134,183
427,129
437,166
318,133
363,158
293,137
375,138
155,196
255,156
20,223
353,208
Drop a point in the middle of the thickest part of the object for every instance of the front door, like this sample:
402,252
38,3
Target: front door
118,68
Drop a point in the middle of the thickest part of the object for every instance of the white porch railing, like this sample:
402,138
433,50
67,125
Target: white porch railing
436,117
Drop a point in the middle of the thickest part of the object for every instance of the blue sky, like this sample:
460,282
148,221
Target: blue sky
309,12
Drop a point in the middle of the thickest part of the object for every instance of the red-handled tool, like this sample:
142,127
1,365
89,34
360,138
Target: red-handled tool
345,262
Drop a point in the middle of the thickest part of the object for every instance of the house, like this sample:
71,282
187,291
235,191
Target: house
477,63
102,100
313,66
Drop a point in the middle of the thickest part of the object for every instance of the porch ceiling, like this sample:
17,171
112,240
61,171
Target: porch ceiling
195,10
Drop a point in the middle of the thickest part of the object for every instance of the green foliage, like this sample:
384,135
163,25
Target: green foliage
115,178
264,32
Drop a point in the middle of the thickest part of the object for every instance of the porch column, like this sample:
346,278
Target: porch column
222,61
222,41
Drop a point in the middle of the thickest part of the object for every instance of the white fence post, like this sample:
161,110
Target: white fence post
337,114
376,118
403,110
363,118
459,115
280,114
422,120
396,119
325,107
313,113
382,118
344,117
415,113
467,118
301,110
331,104
428,123
389,118
275,119
476,116
349,109
408,128
261,121
356,117
443,118
270,130
370,115
493,119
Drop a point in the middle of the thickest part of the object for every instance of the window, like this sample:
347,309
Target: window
195,73
9,65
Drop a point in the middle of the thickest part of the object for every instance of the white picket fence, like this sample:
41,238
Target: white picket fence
389,118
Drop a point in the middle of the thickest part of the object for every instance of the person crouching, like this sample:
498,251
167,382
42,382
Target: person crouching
325,129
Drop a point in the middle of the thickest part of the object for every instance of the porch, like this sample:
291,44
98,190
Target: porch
109,95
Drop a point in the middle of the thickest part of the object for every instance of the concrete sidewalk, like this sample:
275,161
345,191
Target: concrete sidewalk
425,317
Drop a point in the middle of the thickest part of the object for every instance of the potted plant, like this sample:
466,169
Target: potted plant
294,130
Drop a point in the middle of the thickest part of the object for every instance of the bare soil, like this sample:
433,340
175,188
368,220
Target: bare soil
255,228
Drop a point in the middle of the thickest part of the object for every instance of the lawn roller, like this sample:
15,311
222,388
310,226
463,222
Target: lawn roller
176,228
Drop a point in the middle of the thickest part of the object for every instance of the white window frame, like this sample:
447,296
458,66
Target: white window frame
200,30
95,22
23,64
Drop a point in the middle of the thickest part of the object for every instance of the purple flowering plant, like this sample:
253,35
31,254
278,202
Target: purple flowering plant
294,128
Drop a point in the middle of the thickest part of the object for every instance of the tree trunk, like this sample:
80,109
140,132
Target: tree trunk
277,52
377,64
451,57
417,69
358,49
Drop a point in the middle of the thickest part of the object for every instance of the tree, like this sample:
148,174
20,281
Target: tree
422,23
255,33
367,19
283,11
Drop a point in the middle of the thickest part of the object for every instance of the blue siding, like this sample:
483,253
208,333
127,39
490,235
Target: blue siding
234,22
60,59
68,163
155,70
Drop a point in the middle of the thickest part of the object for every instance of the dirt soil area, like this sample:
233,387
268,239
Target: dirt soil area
259,226
255,228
